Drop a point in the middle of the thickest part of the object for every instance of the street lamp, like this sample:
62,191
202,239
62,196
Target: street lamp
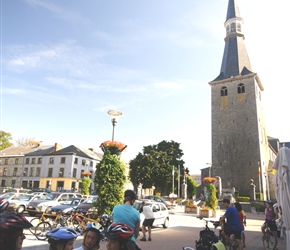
114,115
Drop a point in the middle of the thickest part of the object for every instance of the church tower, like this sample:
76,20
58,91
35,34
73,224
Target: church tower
240,149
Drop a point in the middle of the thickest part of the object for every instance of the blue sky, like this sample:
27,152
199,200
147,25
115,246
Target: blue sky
64,64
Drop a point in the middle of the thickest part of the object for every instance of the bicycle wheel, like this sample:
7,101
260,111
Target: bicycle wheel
270,240
34,222
41,229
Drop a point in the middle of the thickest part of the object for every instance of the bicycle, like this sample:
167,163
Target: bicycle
79,221
208,238
270,239
46,224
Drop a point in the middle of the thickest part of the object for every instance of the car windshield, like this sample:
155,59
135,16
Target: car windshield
90,200
51,197
70,201
7,195
26,198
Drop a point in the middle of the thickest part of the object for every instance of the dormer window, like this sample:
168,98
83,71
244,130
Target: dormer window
233,27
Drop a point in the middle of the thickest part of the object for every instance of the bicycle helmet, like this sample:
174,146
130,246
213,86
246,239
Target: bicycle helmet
4,203
93,227
130,194
119,231
61,234
105,220
270,202
11,221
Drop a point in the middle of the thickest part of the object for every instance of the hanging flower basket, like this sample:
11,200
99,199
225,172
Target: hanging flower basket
113,147
209,180
86,174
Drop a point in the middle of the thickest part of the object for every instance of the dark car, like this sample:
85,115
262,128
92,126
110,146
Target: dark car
87,204
66,206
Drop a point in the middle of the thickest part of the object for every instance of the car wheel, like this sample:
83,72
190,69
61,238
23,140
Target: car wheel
20,209
166,223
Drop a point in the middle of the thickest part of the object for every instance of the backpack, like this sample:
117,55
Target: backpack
206,239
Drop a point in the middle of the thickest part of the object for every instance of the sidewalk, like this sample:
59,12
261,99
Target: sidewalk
252,230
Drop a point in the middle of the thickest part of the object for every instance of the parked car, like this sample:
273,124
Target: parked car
50,200
87,204
163,200
160,211
20,190
20,205
66,206
11,196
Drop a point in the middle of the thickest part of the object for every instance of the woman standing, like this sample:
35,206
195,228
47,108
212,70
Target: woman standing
242,216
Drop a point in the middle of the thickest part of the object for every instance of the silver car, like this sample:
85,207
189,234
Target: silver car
20,205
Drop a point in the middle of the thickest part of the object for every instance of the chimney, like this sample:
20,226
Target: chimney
57,147
91,149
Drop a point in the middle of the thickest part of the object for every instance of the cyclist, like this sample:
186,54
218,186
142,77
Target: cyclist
270,217
118,236
4,203
128,215
61,238
92,237
232,224
11,230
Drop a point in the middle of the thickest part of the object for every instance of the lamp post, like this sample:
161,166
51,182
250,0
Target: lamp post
114,115
178,181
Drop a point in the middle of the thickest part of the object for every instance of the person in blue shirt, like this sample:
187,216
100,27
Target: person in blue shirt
232,224
128,215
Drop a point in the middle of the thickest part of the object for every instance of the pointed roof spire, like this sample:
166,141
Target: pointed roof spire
235,59
233,10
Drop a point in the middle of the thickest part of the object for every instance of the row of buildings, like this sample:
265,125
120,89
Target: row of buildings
52,167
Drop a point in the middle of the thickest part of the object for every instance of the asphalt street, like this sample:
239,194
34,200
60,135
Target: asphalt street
183,231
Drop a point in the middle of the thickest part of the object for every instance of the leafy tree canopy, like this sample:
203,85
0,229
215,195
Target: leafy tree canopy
154,166
191,186
5,139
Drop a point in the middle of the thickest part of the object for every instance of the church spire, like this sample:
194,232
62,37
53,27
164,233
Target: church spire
235,59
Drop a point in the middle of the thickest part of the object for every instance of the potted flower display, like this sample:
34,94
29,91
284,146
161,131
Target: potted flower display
191,208
211,199
113,147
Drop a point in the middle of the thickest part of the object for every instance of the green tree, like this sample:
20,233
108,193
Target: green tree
109,181
5,139
86,183
154,166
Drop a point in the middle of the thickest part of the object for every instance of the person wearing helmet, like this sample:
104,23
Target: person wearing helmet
271,216
4,203
11,230
61,238
118,236
127,214
92,237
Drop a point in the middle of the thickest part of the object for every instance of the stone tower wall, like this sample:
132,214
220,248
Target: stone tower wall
239,140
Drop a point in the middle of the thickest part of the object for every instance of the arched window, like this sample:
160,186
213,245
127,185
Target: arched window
224,91
228,29
241,88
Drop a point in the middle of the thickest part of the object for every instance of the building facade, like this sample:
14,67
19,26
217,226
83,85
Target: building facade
51,167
